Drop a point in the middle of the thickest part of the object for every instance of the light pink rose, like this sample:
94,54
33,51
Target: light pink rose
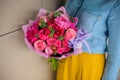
70,34
48,51
50,41
60,50
62,21
58,43
39,45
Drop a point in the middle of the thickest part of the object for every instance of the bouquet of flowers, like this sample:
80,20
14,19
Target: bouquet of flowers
54,35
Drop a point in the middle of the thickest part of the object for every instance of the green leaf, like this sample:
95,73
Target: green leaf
72,19
42,23
49,60
56,14
61,38
52,31
54,63
51,35
47,13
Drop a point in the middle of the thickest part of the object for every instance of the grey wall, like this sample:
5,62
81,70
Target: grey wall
17,62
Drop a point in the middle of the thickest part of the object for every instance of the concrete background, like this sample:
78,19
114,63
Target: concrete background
17,62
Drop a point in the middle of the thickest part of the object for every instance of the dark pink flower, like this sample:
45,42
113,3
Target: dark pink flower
72,25
34,39
57,43
58,32
51,23
50,41
44,33
64,42
66,48
31,34
60,50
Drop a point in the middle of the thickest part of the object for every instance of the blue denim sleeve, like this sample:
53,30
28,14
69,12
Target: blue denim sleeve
113,59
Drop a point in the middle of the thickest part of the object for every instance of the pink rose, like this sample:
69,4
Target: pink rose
60,50
58,43
62,21
39,45
48,51
70,34
43,33
50,41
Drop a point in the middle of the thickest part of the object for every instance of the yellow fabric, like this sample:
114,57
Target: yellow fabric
81,67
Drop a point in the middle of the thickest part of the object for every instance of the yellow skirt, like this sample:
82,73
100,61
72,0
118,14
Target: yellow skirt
81,67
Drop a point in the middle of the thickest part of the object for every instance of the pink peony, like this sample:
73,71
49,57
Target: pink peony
48,51
70,34
62,21
60,50
57,43
50,41
44,33
39,45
